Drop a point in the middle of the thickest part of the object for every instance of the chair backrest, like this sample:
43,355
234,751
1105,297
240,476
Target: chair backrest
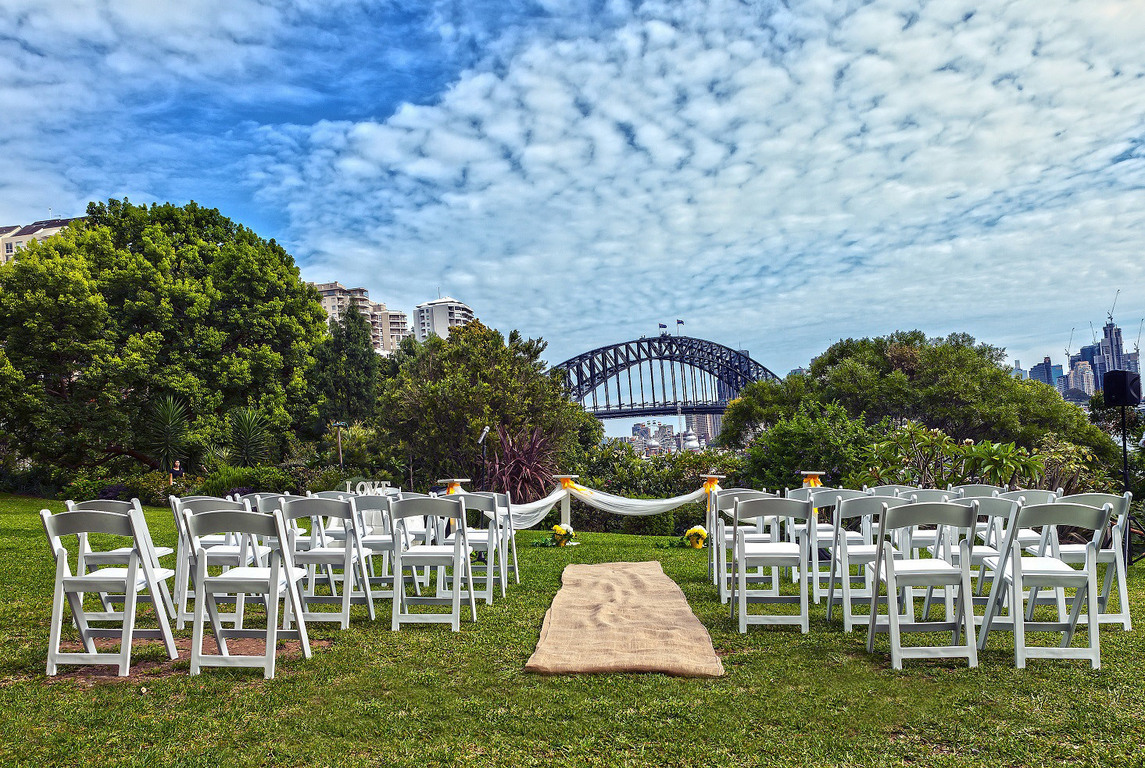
976,490
1064,513
103,505
374,510
232,521
414,495
210,504
332,495
1119,504
1030,496
341,509
800,494
445,507
85,521
867,506
936,513
929,495
725,499
478,502
890,489
754,509
823,499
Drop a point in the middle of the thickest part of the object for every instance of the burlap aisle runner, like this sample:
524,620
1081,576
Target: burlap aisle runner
622,617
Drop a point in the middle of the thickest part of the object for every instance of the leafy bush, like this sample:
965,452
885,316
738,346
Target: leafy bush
226,480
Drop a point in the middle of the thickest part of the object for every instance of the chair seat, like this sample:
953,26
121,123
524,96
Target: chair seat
113,574
1038,567
249,573
430,554
323,555
779,549
1075,553
863,553
931,568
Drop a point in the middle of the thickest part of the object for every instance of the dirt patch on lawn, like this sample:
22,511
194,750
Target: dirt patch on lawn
147,669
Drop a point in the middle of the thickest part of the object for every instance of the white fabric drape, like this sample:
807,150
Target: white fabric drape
620,505
528,515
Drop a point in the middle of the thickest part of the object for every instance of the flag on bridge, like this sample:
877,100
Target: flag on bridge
679,322
662,325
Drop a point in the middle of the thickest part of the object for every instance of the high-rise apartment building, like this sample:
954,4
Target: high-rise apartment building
1081,377
13,238
438,317
387,326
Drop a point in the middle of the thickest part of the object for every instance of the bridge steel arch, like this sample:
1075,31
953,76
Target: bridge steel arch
695,376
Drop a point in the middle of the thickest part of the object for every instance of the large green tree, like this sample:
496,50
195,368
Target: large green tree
442,393
138,303
346,373
953,384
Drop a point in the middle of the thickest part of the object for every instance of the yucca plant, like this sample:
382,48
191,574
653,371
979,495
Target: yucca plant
250,437
166,430
522,465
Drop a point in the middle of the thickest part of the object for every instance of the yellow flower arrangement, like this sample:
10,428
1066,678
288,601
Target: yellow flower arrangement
563,534
696,536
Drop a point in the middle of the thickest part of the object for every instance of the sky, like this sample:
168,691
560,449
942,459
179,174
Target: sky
778,175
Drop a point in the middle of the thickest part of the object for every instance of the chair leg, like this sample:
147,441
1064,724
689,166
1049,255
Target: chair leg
804,608
893,625
742,585
57,621
272,598
966,611
1018,615
1094,617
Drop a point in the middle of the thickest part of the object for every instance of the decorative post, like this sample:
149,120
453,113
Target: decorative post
711,483
811,479
567,481
453,484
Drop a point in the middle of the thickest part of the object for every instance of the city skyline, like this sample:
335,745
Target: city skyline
778,178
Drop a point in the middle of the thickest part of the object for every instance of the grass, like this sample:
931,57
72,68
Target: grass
427,697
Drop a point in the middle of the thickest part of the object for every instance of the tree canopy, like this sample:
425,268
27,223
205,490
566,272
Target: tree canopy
444,392
137,303
953,384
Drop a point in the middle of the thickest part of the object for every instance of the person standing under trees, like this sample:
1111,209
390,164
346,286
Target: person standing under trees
176,471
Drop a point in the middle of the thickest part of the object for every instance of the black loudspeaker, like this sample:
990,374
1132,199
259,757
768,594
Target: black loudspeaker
1122,388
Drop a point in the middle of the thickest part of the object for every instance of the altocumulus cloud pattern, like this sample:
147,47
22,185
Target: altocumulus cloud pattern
779,174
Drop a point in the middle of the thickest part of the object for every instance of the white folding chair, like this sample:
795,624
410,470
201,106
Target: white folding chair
138,575
321,551
278,580
487,539
1014,573
722,541
221,551
1111,555
926,538
89,558
821,535
901,573
851,553
454,572
1028,537
775,554
508,534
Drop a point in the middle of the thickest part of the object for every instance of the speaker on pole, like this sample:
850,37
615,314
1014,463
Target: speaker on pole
1122,388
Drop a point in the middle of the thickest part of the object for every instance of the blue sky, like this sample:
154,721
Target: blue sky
778,175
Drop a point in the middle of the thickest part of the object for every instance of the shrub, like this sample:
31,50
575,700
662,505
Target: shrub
226,480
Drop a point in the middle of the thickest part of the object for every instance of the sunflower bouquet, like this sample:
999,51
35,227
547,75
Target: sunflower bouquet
696,536
563,534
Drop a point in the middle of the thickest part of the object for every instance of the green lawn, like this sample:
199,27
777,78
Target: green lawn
426,696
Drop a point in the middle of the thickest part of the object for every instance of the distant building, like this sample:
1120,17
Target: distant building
13,238
1081,377
387,327
1019,372
799,371
438,317
706,426
1043,372
641,430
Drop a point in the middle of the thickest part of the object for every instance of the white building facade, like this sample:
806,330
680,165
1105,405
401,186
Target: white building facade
15,237
387,326
438,317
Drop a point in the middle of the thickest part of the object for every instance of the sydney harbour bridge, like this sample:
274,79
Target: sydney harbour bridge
660,375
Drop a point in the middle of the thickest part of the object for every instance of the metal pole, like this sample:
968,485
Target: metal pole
339,445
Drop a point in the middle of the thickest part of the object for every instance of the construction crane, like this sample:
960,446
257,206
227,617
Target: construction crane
1069,346
1137,344
1092,333
1110,313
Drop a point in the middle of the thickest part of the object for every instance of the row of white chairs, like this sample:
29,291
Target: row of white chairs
904,539
273,548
